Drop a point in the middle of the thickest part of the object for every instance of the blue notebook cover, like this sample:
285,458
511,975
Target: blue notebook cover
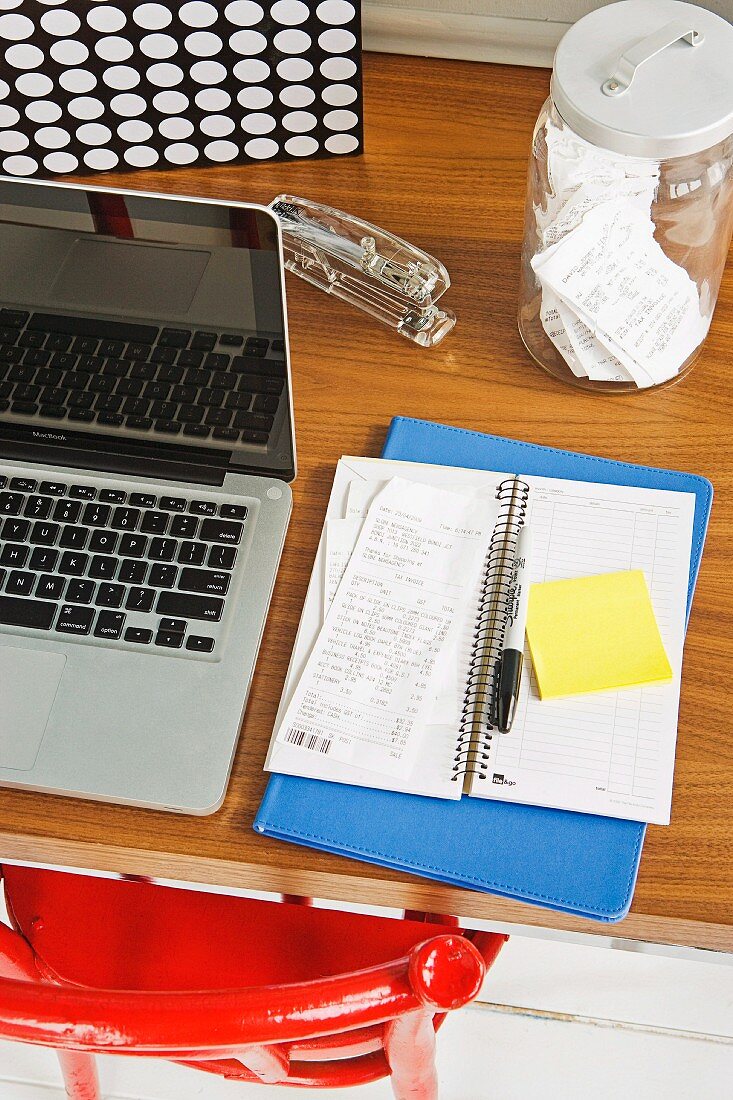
575,863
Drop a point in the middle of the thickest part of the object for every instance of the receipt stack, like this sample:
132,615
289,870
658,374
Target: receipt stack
629,215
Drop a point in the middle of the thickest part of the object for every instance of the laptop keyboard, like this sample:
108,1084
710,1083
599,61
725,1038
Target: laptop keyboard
164,381
118,565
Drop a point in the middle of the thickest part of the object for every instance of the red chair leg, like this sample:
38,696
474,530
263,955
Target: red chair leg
80,1075
409,1044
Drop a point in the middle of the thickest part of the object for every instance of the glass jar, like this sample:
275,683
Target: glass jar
629,215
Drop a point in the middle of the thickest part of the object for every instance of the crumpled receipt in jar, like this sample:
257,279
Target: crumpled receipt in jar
615,306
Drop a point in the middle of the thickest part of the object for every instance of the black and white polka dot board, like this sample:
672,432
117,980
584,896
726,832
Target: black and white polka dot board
128,84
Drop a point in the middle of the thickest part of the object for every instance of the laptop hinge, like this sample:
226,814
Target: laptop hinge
103,453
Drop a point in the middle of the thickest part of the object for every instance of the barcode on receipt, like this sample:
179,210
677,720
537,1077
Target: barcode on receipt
308,740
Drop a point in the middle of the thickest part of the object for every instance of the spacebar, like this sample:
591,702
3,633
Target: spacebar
92,326
36,613
185,606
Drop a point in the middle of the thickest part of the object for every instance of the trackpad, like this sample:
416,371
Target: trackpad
29,680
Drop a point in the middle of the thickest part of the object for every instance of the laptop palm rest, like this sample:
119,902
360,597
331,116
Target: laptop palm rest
29,680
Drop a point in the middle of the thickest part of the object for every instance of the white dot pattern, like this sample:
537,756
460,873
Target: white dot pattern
135,85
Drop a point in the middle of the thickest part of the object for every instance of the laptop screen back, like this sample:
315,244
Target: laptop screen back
144,325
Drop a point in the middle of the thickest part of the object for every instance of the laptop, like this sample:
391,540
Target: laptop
146,446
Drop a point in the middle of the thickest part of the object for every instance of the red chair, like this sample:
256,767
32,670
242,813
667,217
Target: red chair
250,990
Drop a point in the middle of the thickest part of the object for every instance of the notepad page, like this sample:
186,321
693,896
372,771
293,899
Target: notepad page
609,753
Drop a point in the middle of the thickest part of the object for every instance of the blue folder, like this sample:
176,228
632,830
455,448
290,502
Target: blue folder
572,862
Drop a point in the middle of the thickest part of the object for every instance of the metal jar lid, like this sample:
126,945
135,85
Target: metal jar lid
650,78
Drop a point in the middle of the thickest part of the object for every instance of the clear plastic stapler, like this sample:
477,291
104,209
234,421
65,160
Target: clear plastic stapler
385,276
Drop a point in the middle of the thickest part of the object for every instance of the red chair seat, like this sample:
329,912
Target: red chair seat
112,934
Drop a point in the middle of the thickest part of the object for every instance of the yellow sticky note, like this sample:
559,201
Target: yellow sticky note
593,634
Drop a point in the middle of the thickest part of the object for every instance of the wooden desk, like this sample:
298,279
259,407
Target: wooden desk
447,155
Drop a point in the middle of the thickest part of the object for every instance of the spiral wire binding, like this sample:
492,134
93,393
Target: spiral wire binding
477,720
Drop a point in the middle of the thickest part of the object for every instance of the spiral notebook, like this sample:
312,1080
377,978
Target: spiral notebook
572,862
404,714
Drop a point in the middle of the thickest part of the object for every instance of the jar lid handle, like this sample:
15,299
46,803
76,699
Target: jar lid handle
646,48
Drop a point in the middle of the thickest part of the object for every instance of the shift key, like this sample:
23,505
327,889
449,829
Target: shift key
184,605
33,613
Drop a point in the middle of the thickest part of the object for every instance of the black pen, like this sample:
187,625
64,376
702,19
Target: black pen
510,668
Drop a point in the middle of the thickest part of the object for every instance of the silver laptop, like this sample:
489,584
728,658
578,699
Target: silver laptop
146,445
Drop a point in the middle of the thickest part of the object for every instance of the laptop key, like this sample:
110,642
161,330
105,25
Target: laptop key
20,583
85,415
191,553
53,412
74,619
110,595
96,515
103,568
73,565
233,511
44,534
173,504
74,538
125,519
221,530
112,348
38,614
50,587
154,523
23,484
184,527
200,431
15,318
132,571
204,580
140,599
163,549
188,606
204,341
231,340
83,492
113,496
16,530
43,559
10,504
175,626
14,554
169,639
170,427
196,643
24,408
110,419
133,546
52,488
109,625
174,338
202,508
231,435
141,637
80,591
162,576
221,557
38,507
67,511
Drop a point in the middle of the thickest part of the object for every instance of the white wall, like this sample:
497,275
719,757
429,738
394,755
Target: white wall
523,32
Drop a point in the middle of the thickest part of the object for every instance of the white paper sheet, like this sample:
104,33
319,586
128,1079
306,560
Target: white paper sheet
640,305
366,692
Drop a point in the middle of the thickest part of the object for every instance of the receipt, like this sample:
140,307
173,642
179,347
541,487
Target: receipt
641,306
368,688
